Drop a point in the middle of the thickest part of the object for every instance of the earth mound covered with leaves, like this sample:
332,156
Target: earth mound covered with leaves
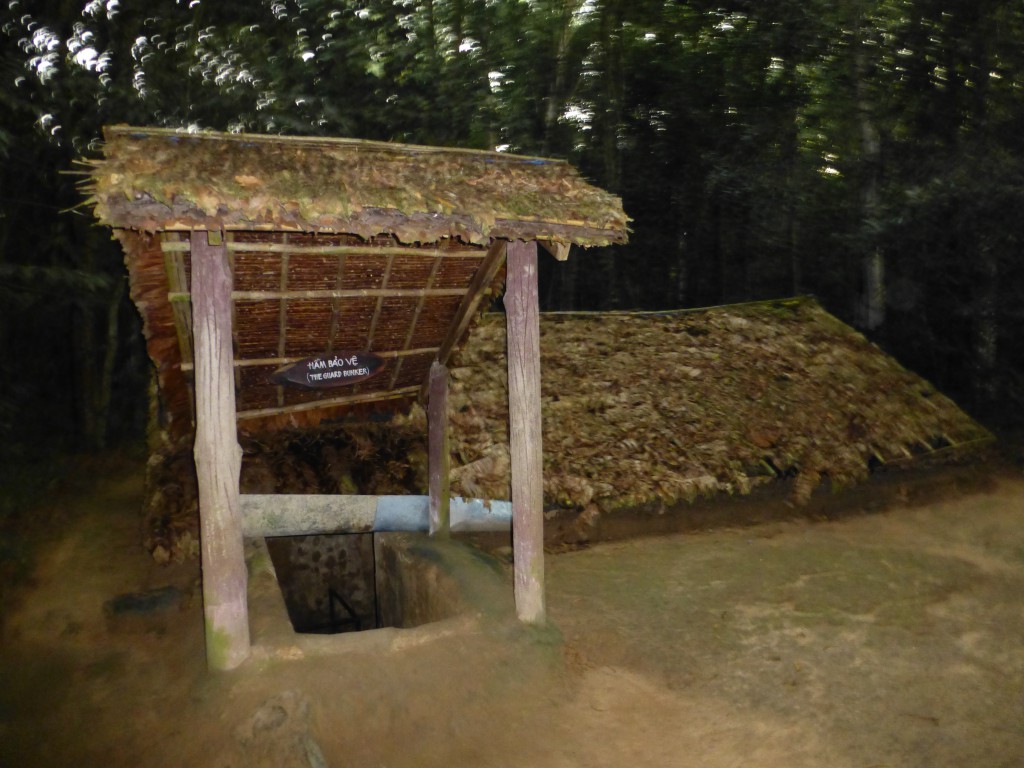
659,408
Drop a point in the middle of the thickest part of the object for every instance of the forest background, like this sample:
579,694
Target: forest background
870,152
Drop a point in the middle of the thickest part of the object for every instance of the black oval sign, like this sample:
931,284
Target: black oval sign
325,371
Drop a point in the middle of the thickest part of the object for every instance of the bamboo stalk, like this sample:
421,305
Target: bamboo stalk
277,362
177,280
227,237
111,133
353,293
483,277
339,281
415,319
558,222
282,314
367,397
380,303
439,452
329,250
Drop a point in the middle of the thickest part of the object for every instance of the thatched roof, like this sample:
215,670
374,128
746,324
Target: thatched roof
154,180
335,245
645,409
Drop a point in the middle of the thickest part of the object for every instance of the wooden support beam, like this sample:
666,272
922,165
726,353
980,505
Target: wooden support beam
559,250
218,459
522,311
466,312
439,452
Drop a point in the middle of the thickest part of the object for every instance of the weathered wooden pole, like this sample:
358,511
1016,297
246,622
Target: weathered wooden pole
218,457
522,314
438,451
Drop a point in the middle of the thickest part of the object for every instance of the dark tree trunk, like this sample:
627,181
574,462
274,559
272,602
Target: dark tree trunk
871,316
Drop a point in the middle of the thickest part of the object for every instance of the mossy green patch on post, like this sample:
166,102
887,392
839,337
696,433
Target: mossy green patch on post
222,650
218,647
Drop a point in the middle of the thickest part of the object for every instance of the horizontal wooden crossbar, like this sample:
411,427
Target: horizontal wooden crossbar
182,246
313,405
255,362
354,293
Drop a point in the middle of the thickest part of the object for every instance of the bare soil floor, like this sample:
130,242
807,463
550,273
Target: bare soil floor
891,639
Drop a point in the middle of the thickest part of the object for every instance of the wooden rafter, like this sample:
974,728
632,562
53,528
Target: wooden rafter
472,297
177,281
174,246
415,319
380,303
355,293
366,397
260,362
282,314
339,281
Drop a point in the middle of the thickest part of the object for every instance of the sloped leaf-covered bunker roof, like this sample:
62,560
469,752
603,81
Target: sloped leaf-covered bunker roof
657,408
336,245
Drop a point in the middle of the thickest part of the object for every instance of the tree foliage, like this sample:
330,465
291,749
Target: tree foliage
763,149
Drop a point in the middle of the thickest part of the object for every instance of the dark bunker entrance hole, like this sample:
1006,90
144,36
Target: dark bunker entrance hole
329,581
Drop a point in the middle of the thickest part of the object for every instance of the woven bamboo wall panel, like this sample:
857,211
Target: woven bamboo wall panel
256,328
394,323
432,324
297,296
455,273
255,271
313,272
353,323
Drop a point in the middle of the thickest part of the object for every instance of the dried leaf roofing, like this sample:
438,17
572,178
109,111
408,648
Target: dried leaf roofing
656,408
155,179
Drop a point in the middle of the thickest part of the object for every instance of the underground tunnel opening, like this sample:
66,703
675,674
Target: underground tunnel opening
329,581
355,582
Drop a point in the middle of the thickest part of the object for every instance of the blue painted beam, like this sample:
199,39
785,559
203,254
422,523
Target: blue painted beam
306,514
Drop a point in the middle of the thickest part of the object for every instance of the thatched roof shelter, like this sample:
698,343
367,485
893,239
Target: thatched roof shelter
286,281
336,244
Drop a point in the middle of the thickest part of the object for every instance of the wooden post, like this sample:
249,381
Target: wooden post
439,453
218,457
522,314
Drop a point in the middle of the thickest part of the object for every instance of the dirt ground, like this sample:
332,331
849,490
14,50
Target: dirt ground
890,639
